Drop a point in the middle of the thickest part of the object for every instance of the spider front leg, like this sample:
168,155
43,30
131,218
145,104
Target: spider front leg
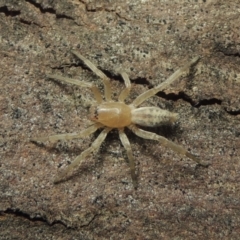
125,92
165,142
99,73
126,144
68,136
77,82
77,161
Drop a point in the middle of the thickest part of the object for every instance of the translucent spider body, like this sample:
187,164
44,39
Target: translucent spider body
108,115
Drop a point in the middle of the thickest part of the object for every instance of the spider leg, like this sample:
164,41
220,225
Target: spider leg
77,161
125,92
144,96
165,142
125,142
68,136
99,73
77,82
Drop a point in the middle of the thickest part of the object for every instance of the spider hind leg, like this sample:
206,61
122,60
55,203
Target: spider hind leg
165,142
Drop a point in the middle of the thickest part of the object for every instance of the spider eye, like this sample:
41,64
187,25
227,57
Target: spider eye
94,113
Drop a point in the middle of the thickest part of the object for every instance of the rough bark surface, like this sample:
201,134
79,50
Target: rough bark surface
176,199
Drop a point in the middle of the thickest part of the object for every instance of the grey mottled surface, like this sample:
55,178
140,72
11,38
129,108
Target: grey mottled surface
148,39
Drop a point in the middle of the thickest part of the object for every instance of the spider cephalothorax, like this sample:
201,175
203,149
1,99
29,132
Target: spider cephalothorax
112,114
108,114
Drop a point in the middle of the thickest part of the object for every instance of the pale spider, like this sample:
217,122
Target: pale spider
108,115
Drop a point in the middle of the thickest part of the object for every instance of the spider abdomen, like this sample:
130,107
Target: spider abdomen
152,116
111,114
